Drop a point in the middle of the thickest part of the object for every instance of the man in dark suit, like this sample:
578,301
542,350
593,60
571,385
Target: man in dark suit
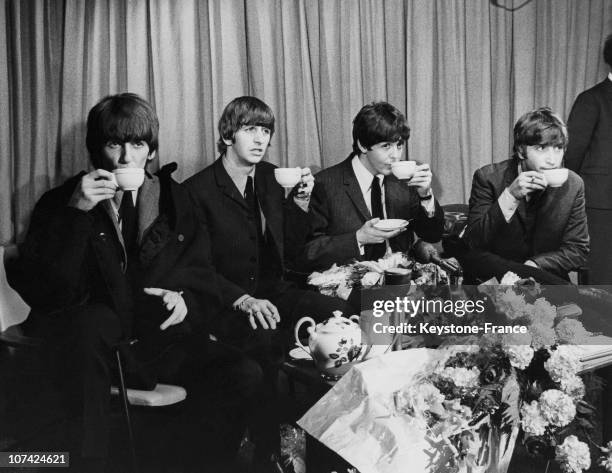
252,227
516,220
589,153
101,265
351,197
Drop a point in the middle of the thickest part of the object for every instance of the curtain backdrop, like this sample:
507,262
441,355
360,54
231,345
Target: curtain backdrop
461,71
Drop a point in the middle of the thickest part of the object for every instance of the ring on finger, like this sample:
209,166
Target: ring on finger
532,179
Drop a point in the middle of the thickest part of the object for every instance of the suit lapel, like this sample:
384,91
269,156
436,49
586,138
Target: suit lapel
148,205
351,186
226,185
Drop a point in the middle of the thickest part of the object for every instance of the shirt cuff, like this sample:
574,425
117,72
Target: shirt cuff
240,300
429,206
302,203
508,204
360,246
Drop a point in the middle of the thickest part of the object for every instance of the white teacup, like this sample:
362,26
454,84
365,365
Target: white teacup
288,177
403,169
555,177
128,179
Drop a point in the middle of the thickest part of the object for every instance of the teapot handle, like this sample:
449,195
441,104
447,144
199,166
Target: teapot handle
297,330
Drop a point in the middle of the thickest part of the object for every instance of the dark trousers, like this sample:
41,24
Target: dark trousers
600,255
269,347
481,265
218,378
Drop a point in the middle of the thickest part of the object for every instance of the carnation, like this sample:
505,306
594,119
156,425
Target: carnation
573,455
544,312
563,363
424,397
557,407
532,420
571,331
573,387
520,356
542,335
512,305
461,377
510,279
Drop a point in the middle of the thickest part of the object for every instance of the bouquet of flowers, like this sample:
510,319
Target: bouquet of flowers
340,280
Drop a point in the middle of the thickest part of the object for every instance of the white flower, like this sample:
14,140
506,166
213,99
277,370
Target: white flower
571,331
557,407
510,279
371,278
461,377
520,356
532,420
573,455
541,335
423,397
573,387
511,304
544,312
564,362
606,460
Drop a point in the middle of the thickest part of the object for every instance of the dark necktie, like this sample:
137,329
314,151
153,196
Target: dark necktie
251,199
129,223
375,251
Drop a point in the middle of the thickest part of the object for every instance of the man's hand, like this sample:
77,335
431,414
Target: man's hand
421,179
369,234
174,302
262,311
304,187
94,187
526,183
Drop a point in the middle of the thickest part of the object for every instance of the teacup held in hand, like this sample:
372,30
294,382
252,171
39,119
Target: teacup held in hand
403,169
555,177
288,177
129,179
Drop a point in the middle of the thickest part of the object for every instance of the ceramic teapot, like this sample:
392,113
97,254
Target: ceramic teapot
334,344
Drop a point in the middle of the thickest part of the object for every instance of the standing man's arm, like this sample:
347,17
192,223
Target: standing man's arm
581,125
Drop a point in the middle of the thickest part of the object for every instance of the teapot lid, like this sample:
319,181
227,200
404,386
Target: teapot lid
336,324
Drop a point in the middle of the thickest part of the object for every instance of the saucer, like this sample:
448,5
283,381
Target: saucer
298,353
391,224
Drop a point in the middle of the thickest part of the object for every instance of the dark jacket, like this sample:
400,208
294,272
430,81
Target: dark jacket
232,232
71,257
338,210
550,229
589,152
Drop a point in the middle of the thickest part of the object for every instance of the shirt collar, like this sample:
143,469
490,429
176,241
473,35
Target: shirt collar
238,177
364,177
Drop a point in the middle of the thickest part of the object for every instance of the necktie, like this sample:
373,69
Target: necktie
375,251
129,223
251,199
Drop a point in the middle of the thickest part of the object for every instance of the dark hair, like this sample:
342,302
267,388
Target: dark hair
122,118
378,122
243,111
607,50
539,127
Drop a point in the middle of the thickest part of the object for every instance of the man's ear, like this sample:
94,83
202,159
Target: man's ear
361,147
228,142
151,156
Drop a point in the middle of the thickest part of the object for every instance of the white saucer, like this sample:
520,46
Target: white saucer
298,353
391,224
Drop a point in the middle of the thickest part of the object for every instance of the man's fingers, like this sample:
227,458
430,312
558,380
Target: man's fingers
262,320
169,321
154,291
252,321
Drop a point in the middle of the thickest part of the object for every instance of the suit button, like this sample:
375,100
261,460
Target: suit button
181,237
252,278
